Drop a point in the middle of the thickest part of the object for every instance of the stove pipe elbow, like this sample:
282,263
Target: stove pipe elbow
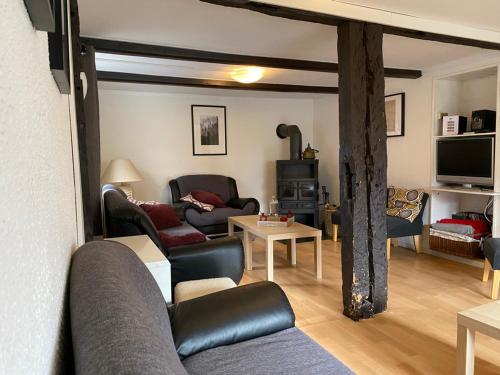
283,131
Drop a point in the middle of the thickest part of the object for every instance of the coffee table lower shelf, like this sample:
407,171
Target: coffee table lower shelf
270,234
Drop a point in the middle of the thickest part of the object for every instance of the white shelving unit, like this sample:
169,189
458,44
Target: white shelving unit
464,135
460,94
462,190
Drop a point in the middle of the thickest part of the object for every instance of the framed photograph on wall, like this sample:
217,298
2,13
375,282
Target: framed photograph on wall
395,114
209,129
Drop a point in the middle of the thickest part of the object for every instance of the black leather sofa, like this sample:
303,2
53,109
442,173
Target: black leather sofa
221,257
214,222
120,324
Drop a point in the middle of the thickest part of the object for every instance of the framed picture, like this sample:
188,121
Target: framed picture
395,114
209,129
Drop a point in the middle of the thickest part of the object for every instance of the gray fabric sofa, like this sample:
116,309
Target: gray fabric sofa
214,222
120,324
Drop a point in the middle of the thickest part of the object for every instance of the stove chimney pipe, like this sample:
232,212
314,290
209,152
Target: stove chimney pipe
283,131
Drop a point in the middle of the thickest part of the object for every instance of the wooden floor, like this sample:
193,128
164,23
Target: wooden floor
416,335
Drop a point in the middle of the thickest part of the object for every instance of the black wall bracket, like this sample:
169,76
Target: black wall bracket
41,13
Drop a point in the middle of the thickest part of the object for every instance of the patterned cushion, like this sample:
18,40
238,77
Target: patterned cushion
404,203
138,202
204,206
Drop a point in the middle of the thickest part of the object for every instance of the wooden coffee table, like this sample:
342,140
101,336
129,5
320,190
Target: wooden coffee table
484,319
271,234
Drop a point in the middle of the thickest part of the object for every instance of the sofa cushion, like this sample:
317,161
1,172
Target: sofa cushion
398,227
181,230
186,290
139,202
199,205
286,352
168,240
119,319
214,183
208,197
162,215
217,216
230,316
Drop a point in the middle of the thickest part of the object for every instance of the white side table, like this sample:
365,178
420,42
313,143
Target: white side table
484,319
153,258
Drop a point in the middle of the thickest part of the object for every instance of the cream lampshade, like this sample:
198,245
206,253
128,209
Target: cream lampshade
122,171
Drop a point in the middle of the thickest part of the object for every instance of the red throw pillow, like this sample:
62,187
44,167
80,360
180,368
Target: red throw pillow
162,215
208,197
169,241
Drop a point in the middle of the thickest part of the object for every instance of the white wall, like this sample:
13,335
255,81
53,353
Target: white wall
326,140
408,157
153,129
37,199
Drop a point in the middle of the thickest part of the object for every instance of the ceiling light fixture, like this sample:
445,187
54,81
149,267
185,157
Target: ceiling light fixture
248,74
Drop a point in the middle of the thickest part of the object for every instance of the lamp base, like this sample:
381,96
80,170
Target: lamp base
127,189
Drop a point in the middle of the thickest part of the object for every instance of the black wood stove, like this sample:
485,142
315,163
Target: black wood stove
298,189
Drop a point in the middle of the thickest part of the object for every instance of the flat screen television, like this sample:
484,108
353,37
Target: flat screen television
466,160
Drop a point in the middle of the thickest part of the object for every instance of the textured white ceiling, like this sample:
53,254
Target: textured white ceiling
198,25
481,14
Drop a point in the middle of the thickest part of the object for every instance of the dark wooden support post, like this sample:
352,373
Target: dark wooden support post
92,138
363,169
87,118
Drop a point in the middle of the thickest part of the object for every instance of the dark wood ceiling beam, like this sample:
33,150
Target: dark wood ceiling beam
149,50
211,83
332,20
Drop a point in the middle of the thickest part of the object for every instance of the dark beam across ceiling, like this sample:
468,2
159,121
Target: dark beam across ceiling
327,19
149,50
211,83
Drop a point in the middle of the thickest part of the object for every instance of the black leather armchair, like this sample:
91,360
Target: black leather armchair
214,222
222,257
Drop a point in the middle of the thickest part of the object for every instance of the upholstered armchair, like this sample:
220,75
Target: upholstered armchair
396,227
213,222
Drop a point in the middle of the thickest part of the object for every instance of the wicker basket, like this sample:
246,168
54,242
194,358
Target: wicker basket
464,249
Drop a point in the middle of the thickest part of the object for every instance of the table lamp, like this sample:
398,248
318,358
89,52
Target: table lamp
122,171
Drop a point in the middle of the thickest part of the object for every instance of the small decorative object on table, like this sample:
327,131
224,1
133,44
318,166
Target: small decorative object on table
276,220
273,206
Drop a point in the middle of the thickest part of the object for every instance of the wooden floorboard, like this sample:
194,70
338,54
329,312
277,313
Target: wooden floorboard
417,334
